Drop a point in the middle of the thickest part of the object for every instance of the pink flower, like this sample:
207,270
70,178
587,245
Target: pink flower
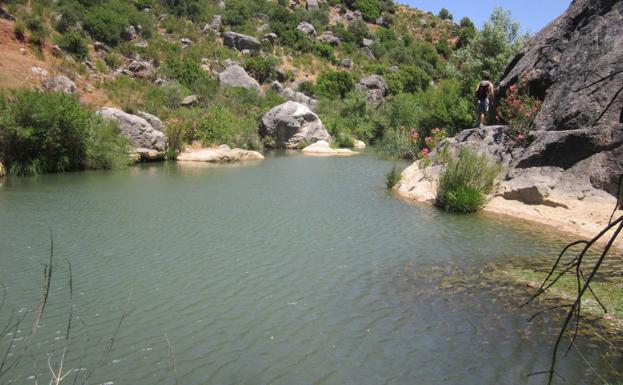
414,134
435,130
428,139
520,137
424,153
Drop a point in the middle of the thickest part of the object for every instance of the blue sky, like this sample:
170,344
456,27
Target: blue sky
531,14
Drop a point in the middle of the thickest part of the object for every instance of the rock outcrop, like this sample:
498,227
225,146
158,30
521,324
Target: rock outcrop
306,28
375,86
574,66
329,38
299,97
59,83
291,124
236,76
155,121
218,154
241,42
149,143
574,152
322,148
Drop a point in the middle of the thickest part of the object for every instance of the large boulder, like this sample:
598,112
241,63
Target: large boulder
375,86
139,131
306,28
236,76
322,148
218,154
291,124
574,66
299,97
241,42
59,83
155,121
329,38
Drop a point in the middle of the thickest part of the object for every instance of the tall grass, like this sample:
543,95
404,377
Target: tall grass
466,181
392,177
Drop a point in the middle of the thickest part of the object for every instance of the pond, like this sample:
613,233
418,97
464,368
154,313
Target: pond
292,270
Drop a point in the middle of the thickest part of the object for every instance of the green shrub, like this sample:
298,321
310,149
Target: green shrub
351,117
307,88
407,79
19,30
370,9
74,43
113,60
392,177
465,181
51,132
263,69
38,32
191,9
188,72
105,25
333,84
237,12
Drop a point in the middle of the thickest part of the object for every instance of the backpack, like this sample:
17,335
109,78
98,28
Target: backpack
483,90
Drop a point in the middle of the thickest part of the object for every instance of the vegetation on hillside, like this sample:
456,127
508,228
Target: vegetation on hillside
430,63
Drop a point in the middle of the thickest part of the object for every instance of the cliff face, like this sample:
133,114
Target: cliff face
575,65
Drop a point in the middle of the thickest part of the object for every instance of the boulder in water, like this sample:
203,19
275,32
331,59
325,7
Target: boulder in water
291,124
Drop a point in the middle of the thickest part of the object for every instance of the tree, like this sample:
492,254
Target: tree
467,32
492,48
444,14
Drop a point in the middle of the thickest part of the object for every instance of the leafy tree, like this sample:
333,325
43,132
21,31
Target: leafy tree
467,32
407,79
444,14
493,48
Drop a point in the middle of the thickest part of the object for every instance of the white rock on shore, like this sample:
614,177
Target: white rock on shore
221,153
322,147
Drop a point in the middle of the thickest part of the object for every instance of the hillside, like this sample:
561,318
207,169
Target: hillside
355,64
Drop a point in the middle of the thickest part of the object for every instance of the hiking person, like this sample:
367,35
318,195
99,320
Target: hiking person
484,96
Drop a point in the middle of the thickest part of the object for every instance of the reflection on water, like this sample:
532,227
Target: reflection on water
293,270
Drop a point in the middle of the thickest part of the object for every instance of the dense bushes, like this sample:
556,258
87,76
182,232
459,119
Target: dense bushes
407,79
466,181
333,84
74,43
262,68
49,132
105,25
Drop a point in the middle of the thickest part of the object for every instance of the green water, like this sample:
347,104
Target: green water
286,271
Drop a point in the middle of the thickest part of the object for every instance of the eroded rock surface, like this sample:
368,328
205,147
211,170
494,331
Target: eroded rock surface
149,143
218,154
291,124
